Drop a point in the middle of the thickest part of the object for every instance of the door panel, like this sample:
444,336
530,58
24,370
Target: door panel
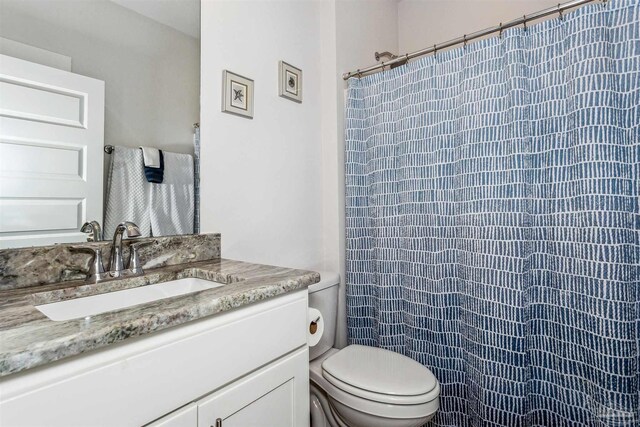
29,100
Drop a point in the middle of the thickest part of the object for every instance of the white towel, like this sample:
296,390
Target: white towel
172,202
151,157
127,192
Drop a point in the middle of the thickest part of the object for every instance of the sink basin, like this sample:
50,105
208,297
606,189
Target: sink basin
82,307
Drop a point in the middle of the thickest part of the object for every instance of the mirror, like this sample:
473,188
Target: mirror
82,76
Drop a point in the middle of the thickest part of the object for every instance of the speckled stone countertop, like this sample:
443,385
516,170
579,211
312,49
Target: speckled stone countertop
29,339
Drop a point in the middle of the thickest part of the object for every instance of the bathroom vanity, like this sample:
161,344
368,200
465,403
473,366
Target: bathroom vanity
233,354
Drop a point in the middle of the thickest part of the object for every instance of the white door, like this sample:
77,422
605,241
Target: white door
275,396
51,142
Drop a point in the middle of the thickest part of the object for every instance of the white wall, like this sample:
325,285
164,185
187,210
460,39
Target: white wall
274,186
424,23
262,178
151,71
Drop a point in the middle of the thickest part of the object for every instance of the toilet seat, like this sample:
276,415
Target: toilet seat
378,409
382,397
383,405
380,375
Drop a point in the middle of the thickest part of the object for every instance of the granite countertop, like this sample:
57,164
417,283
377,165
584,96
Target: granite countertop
28,338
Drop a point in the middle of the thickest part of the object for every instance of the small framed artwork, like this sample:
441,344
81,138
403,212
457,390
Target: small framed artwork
290,84
237,94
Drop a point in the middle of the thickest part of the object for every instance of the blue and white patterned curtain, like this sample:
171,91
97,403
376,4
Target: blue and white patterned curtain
493,221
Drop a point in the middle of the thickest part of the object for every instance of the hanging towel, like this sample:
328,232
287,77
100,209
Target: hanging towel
153,164
151,157
155,175
172,202
127,192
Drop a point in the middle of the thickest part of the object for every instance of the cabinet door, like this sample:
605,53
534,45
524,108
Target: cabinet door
275,396
184,417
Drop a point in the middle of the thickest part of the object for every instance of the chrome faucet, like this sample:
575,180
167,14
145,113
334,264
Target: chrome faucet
116,265
94,231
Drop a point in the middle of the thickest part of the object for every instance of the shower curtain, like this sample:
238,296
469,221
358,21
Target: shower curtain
493,221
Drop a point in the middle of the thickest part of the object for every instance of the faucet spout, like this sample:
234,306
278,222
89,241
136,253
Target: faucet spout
116,264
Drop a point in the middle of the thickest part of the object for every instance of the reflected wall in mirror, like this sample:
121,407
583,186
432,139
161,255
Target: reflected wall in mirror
82,75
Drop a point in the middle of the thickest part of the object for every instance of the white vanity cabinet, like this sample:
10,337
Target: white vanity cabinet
247,367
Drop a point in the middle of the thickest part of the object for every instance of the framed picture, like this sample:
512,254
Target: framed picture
237,94
290,82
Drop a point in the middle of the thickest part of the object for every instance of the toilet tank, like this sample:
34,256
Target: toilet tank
323,296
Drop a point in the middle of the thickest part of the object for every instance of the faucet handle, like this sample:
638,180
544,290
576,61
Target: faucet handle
96,269
134,260
93,230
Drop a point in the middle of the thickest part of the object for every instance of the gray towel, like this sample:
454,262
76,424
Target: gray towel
127,192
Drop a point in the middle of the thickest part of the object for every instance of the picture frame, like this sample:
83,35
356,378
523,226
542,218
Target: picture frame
290,82
237,94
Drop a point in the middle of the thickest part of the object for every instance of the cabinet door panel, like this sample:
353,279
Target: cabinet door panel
274,396
271,409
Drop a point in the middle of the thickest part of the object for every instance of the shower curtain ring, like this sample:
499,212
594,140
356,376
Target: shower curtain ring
500,34
560,13
465,40
382,63
524,22
359,73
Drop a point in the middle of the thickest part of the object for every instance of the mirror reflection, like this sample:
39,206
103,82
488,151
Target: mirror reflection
85,85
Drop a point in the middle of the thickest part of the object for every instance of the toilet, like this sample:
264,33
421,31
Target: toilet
362,386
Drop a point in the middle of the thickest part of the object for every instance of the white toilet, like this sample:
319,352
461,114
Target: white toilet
361,386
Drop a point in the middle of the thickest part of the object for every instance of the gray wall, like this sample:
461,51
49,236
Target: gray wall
152,72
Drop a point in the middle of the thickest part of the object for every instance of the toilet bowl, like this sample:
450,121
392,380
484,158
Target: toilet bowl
362,386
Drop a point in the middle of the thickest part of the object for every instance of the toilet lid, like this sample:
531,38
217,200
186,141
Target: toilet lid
379,371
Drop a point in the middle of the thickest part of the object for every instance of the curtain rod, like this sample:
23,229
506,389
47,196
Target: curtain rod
403,59
109,148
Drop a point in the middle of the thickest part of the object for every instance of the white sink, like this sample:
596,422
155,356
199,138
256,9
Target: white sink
110,301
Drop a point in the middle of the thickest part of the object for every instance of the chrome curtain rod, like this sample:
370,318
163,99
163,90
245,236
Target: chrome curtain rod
403,59
109,148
